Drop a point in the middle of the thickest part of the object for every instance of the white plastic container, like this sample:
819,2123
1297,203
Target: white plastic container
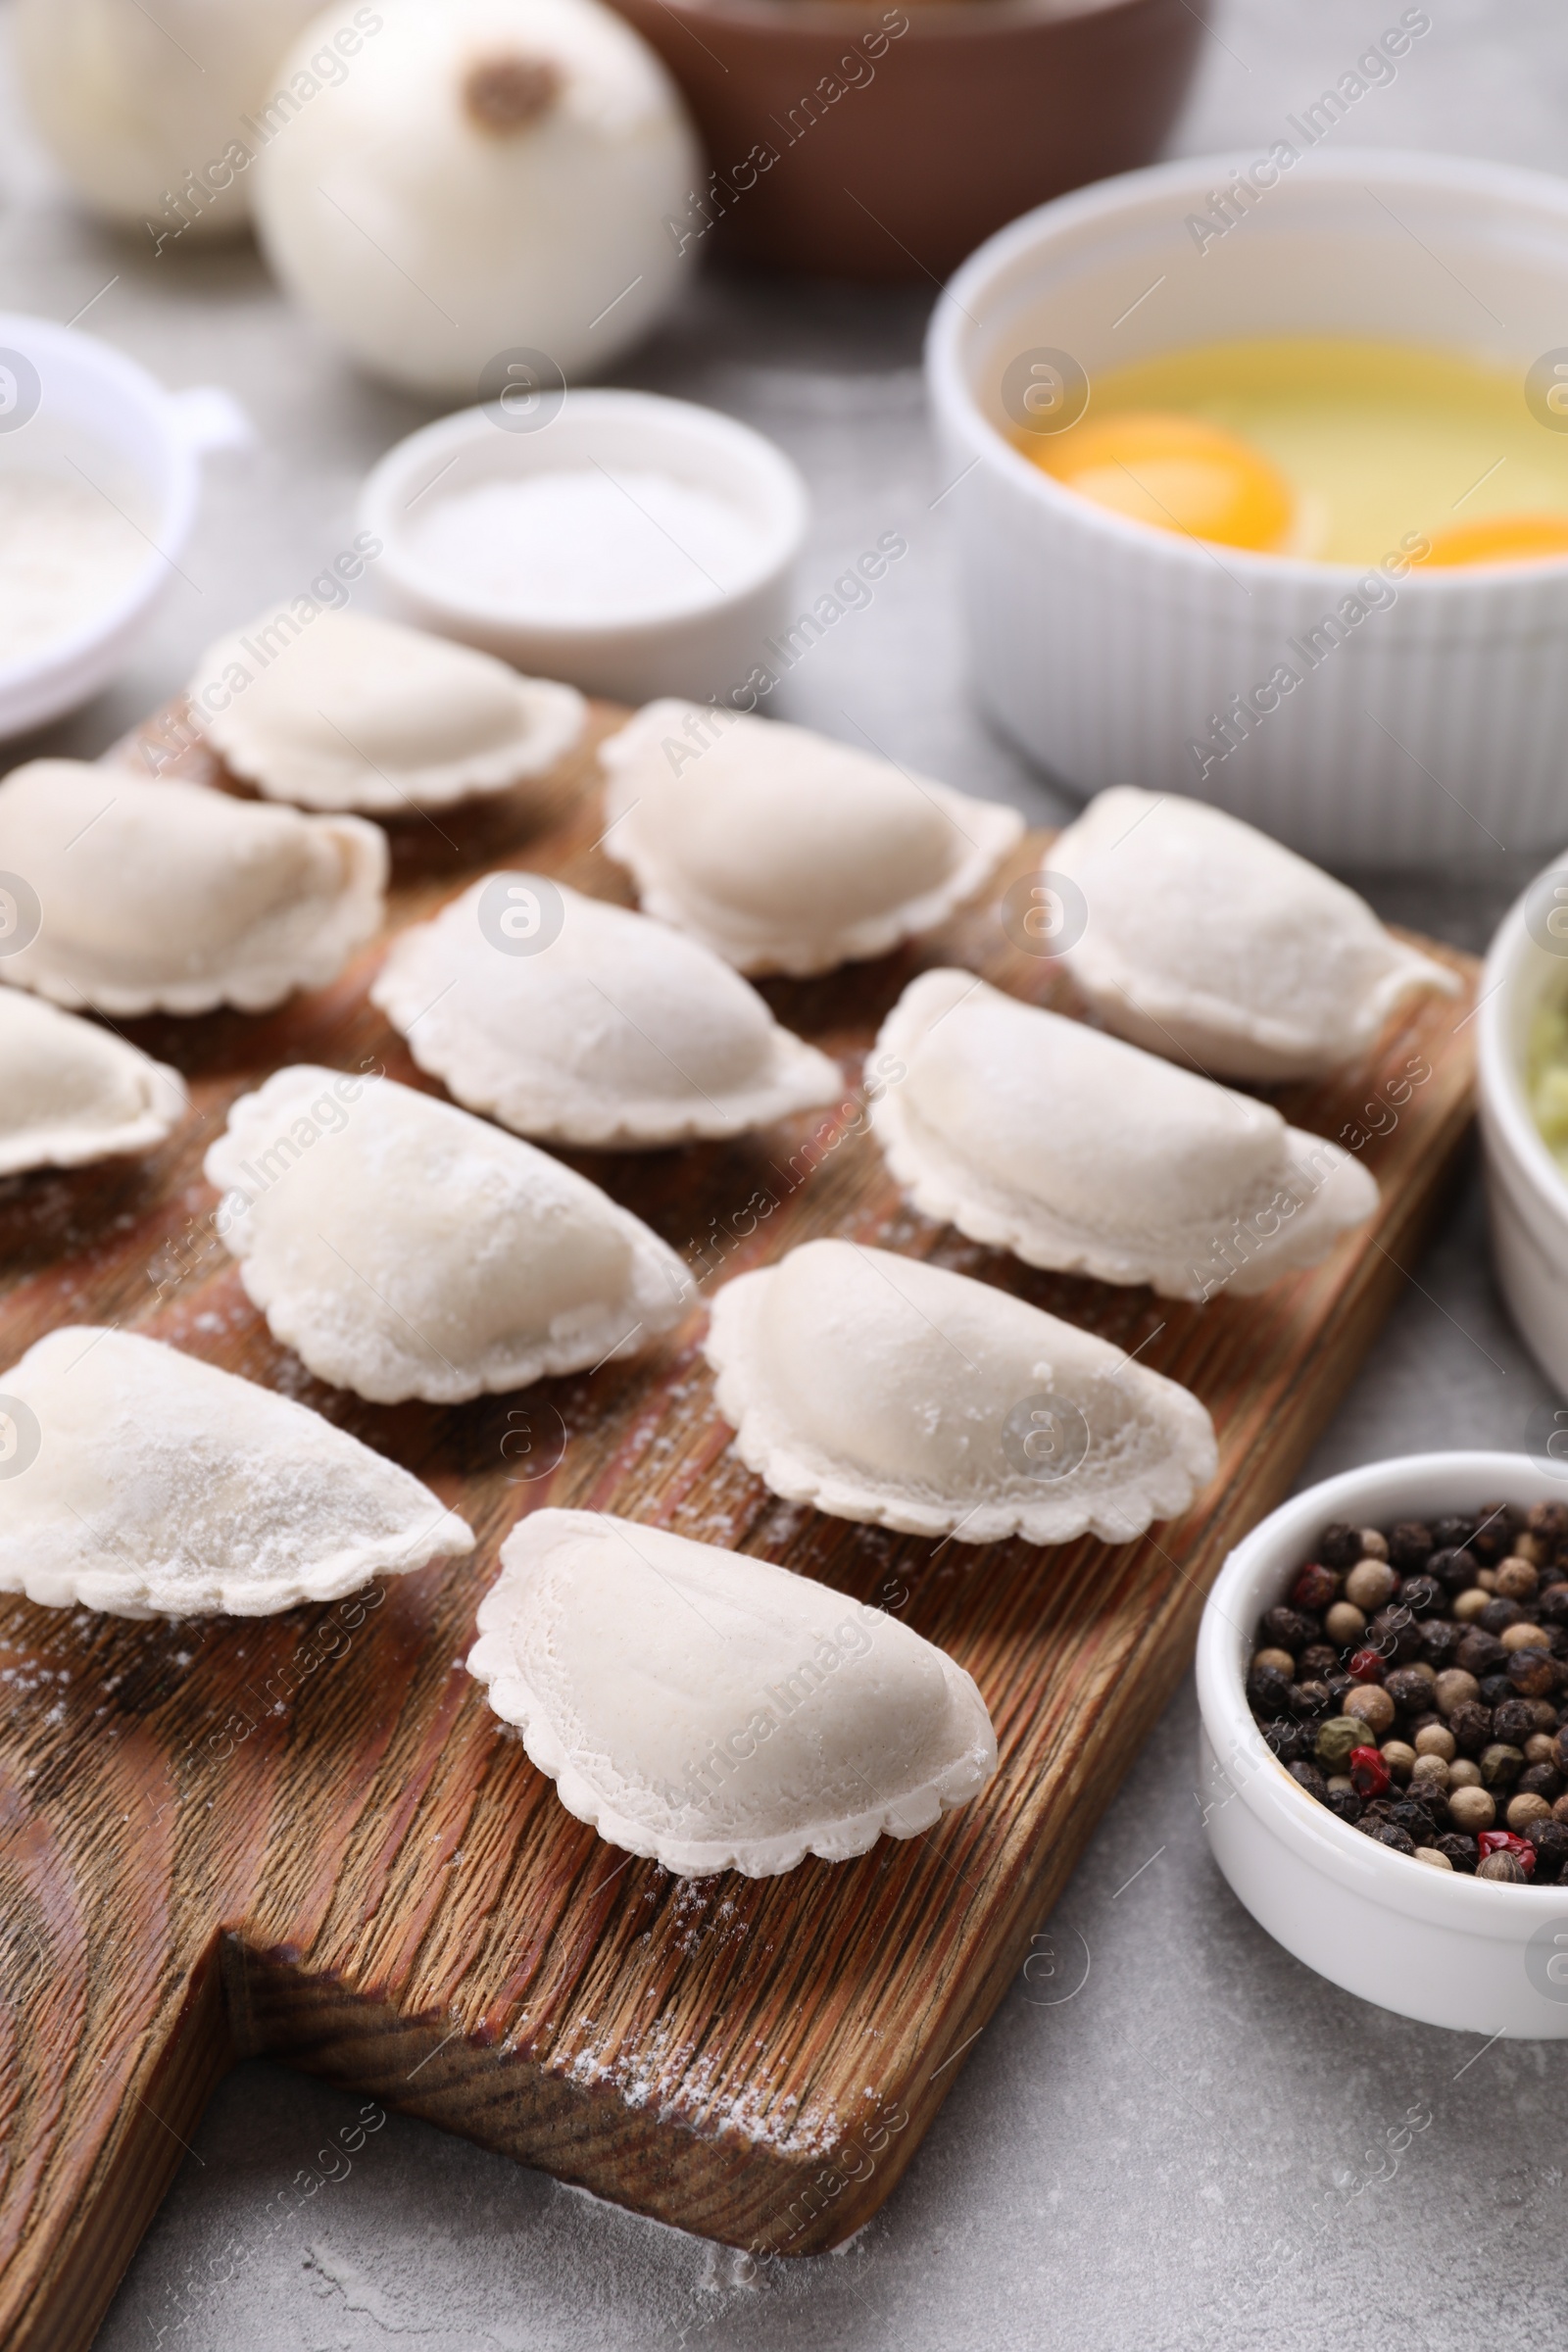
707,647
71,405
1527,1191
1447,1950
1439,727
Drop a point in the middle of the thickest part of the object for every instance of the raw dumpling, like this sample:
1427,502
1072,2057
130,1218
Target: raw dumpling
617,1031
350,713
1206,941
403,1249
161,897
880,1388
154,1485
714,1711
784,851
1042,1135
71,1092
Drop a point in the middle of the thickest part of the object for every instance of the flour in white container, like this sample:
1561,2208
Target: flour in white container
66,552
586,545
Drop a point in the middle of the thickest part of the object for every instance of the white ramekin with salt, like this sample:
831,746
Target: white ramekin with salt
628,544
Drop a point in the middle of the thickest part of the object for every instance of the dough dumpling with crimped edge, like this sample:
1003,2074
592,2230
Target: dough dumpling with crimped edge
714,1711
1037,1133
883,1389
162,897
346,711
72,1093
782,850
146,1483
617,1032
1206,941
404,1249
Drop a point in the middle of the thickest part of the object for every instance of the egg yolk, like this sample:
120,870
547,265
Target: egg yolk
1524,538
1175,472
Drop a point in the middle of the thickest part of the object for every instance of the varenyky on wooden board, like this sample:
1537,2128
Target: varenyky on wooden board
308,1835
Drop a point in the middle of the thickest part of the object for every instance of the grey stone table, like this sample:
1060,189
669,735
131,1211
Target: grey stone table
1165,2145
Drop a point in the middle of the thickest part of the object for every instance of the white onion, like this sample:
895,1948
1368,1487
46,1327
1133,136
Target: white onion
492,176
143,108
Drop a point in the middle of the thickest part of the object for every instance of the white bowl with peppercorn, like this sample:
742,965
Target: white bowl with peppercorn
1382,1788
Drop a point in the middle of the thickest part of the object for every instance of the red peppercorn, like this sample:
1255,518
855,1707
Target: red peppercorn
1503,1841
1366,1667
1369,1772
1315,1588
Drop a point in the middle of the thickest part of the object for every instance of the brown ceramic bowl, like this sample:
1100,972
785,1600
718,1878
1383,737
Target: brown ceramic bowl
894,152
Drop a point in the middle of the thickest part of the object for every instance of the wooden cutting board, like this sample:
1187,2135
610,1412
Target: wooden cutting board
309,1836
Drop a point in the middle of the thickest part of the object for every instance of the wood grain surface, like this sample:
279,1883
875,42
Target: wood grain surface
309,1836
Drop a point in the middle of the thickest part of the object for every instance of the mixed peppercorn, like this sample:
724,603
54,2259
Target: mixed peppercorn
1415,1680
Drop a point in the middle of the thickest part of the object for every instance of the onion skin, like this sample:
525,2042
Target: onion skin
492,176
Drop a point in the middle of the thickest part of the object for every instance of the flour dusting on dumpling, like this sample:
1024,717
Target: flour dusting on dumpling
72,1093
404,1249
1037,1133
571,1019
880,1388
140,1481
162,897
349,712
1208,941
782,850
715,1711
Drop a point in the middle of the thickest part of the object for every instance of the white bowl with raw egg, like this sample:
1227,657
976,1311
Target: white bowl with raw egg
1260,475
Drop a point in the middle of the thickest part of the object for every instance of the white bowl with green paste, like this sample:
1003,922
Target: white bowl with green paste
1523,1084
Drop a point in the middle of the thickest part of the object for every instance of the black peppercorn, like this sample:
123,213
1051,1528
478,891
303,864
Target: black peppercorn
1423,1595
1471,1726
1340,1688
1550,1841
1412,1545
1542,1780
1290,1629
1479,1653
1552,1605
1309,1699
1532,1673
1288,1740
1439,1638
1495,1526
1395,1635
1549,1521
1348,1805
1387,1833
1413,1819
1562,1749
1499,1614
1453,1570
1410,1690
1340,1547
1514,1721
1308,1777
1317,1662
1495,1688
1268,1691
1462,1851
1433,1800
